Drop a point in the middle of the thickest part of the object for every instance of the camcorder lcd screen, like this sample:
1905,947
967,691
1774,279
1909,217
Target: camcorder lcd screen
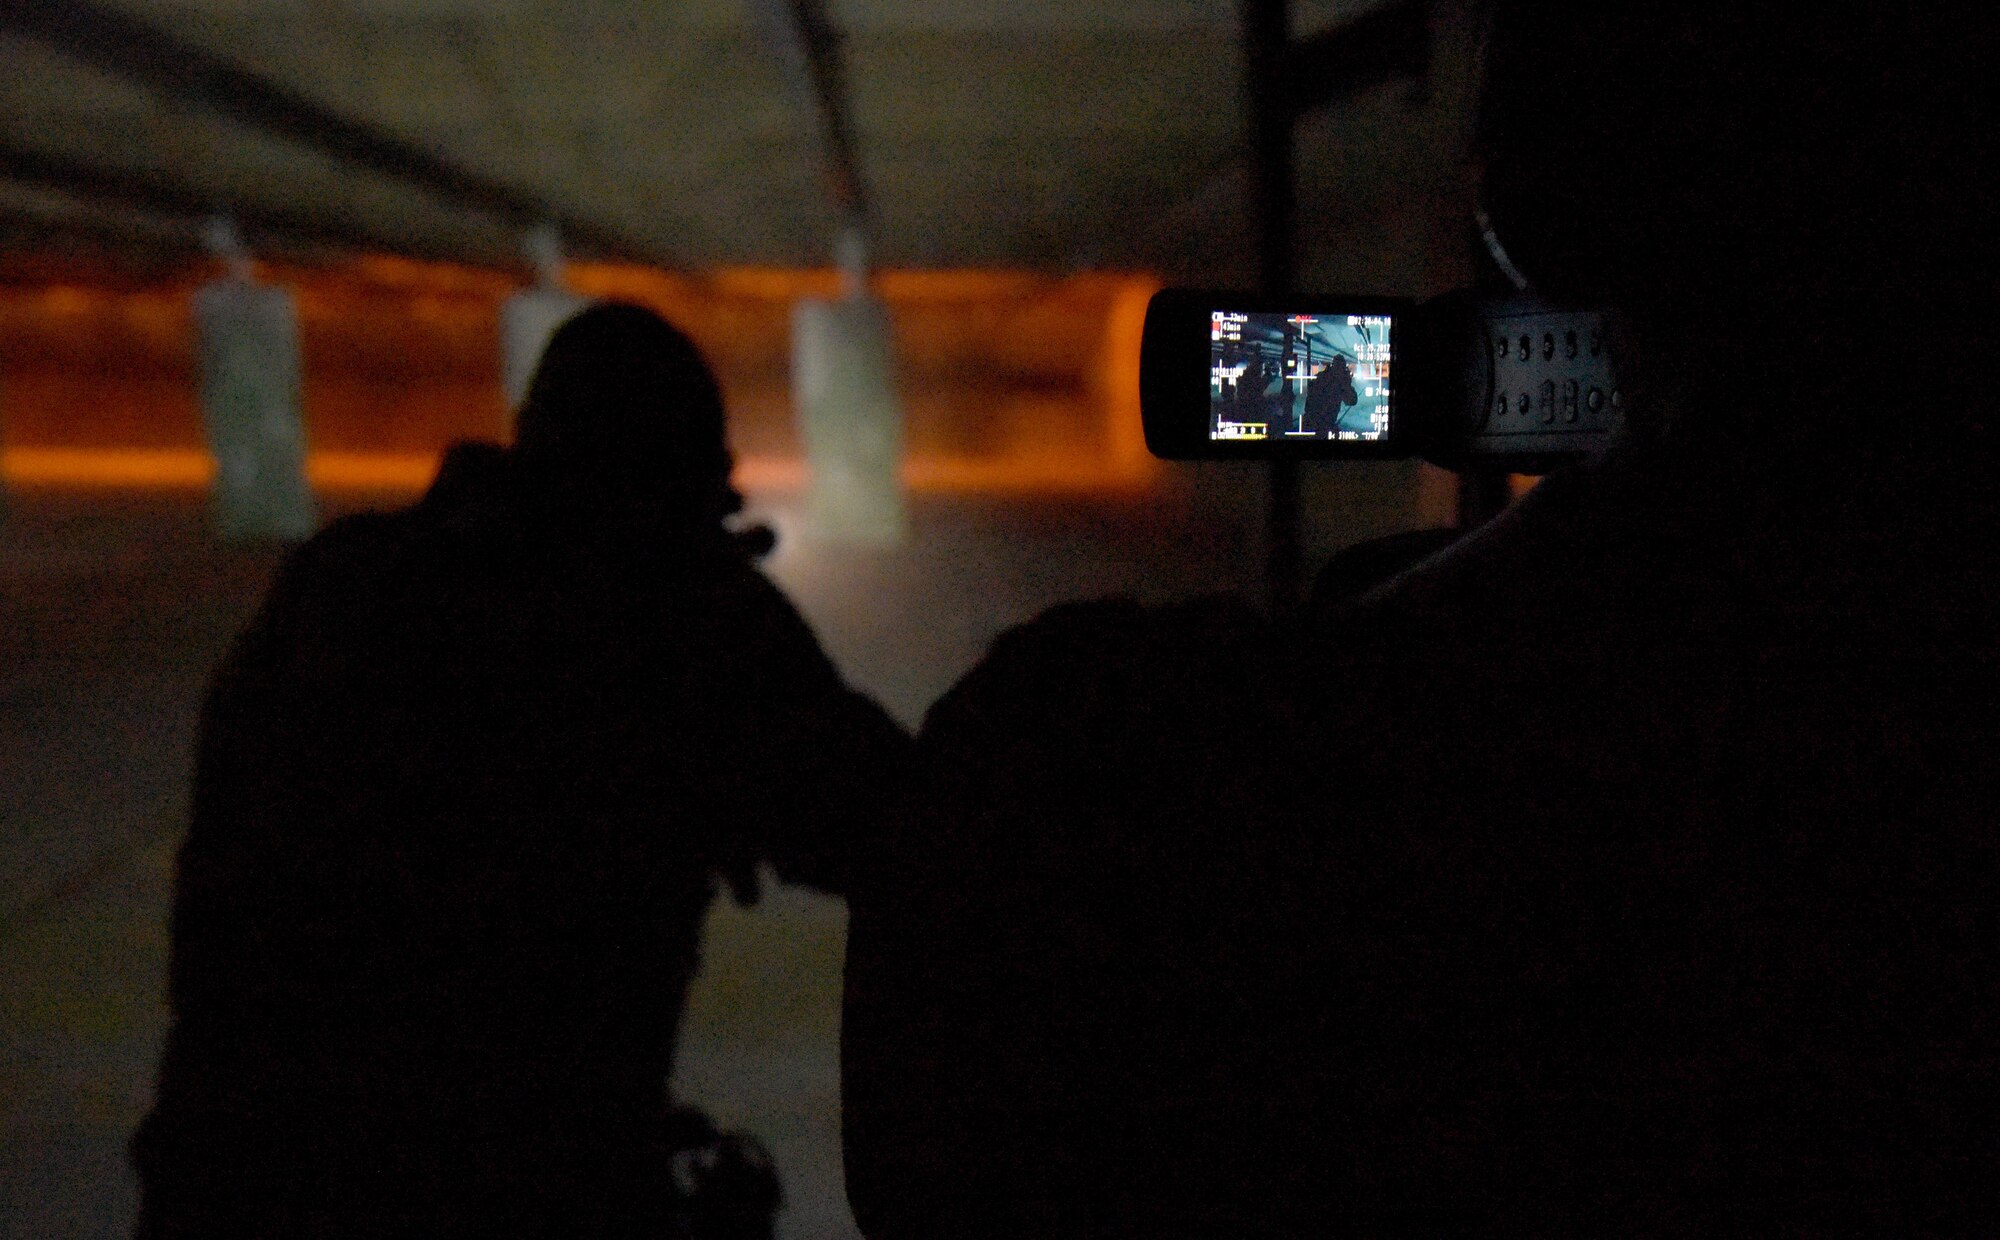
1279,377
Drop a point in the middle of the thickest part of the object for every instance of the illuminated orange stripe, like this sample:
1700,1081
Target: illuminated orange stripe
99,468
371,471
184,469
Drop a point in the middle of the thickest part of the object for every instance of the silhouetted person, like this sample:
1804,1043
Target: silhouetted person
1352,572
1030,968
465,788
1254,404
1329,391
1649,888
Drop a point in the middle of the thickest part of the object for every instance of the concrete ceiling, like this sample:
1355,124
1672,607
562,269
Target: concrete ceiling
1045,134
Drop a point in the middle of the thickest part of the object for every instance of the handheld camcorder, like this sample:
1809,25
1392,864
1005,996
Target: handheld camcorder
1515,382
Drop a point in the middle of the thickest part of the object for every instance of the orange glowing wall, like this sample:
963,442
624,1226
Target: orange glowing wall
1008,378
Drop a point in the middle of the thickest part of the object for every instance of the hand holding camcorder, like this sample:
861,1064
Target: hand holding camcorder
1457,379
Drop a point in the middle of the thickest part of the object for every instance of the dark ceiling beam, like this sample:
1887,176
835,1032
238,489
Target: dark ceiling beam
19,228
810,46
133,49
38,250
153,195
829,78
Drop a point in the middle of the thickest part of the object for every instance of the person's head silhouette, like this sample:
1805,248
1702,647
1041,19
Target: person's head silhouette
1757,189
623,415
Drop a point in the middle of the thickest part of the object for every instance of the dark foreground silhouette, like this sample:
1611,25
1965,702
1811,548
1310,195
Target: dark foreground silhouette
465,787
1625,869
1679,926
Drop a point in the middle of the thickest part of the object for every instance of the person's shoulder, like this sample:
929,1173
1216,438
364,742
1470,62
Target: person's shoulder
466,504
1078,667
354,535
1086,627
1558,546
362,575
347,552
722,578
718,601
